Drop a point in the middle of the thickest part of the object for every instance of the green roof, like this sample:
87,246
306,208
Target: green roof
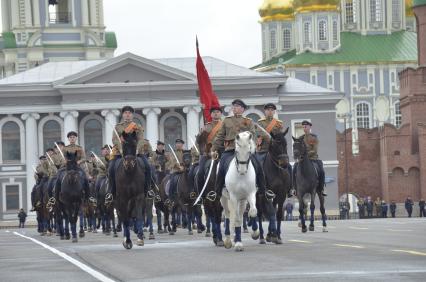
419,3
110,40
357,49
9,40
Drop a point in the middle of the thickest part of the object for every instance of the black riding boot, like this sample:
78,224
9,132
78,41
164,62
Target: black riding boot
321,177
223,168
111,175
201,176
293,188
260,176
148,175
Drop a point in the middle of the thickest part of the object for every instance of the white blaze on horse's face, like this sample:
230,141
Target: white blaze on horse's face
243,150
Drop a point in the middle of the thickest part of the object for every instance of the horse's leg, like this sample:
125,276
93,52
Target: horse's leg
81,214
227,208
302,213
127,243
189,214
159,223
323,215
67,227
217,222
272,227
312,207
208,225
280,217
240,207
252,213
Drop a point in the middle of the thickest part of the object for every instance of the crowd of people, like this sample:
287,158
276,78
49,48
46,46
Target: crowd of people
367,208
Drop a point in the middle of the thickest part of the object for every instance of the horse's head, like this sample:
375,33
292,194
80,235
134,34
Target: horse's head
129,143
299,148
71,159
201,140
187,158
278,147
244,147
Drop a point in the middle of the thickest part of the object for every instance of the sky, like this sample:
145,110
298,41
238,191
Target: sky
226,29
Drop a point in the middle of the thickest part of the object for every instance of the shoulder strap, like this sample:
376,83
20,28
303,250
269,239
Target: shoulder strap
271,125
213,132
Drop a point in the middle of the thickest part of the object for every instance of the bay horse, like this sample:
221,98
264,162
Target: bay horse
307,181
240,182
130,193
275,167
69,194
106,209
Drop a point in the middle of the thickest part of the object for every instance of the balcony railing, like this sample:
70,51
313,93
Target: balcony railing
60,18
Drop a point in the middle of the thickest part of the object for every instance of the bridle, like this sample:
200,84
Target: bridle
246,162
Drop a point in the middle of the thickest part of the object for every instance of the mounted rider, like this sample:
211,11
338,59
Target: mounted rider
128,126
102,167
176,168
211,128
58,162
225,142
312,141
41,171
270,125
159,159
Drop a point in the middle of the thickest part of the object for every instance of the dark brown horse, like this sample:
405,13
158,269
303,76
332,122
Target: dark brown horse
130,182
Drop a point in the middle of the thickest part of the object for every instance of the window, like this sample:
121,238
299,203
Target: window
363,115
322,30
286,39
350,12
307,32
298,128
172,130
375,10
11,142
12,197
396,10
273,40
398,116
335,36
254,117
93,136
51,134
59,12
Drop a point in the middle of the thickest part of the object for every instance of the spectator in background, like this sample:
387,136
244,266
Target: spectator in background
289,211
422,208
378,207
384,209
409,206
392,208
369,207
22,217
361,208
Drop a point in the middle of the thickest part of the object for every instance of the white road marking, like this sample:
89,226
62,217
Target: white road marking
80,265
399,230
300,241
358,228
349,246
410,252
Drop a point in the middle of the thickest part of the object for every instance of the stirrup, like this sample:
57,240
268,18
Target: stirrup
150,194
157,198
108,198
93,201
51,201
270,195
211,196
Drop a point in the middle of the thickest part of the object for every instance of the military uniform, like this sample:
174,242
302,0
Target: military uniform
145,148
160,160
311,141
271,125
72,148
225,142
101,165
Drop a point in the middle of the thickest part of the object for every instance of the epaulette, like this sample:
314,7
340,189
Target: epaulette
229,117
262,119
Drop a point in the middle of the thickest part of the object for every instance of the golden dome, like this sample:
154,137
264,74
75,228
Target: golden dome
409,8
276,10
306,6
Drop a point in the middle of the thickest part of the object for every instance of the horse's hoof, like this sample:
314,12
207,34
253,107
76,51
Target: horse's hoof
311,228
279,241
228,243
140,242
151,236
220,244
160,231
199,231
246,230
107,233
324,229
81,234
115,235
49,234
68,236
299,224
262,241
171,233
268,238
239,247
190,232
74,240
127,244
274,239
208,234
62,237
145,229
194,226
304,229
255,235
95,231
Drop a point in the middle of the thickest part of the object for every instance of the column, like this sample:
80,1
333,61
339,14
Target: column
192,123
6,21
36,13
28,14
111,116
152,124
84,13
73,12
93,14
70,122
31,150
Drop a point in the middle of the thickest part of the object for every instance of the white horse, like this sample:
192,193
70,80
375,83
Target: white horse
240,182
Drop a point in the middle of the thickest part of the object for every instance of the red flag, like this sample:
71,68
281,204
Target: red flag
207,97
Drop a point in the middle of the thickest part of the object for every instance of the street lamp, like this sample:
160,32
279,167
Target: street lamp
346,117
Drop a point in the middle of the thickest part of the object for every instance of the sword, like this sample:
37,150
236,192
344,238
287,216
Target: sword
97,158
205,183
115,131
35,171
60,151
50,159
174,154
109,148
193,143
261,128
